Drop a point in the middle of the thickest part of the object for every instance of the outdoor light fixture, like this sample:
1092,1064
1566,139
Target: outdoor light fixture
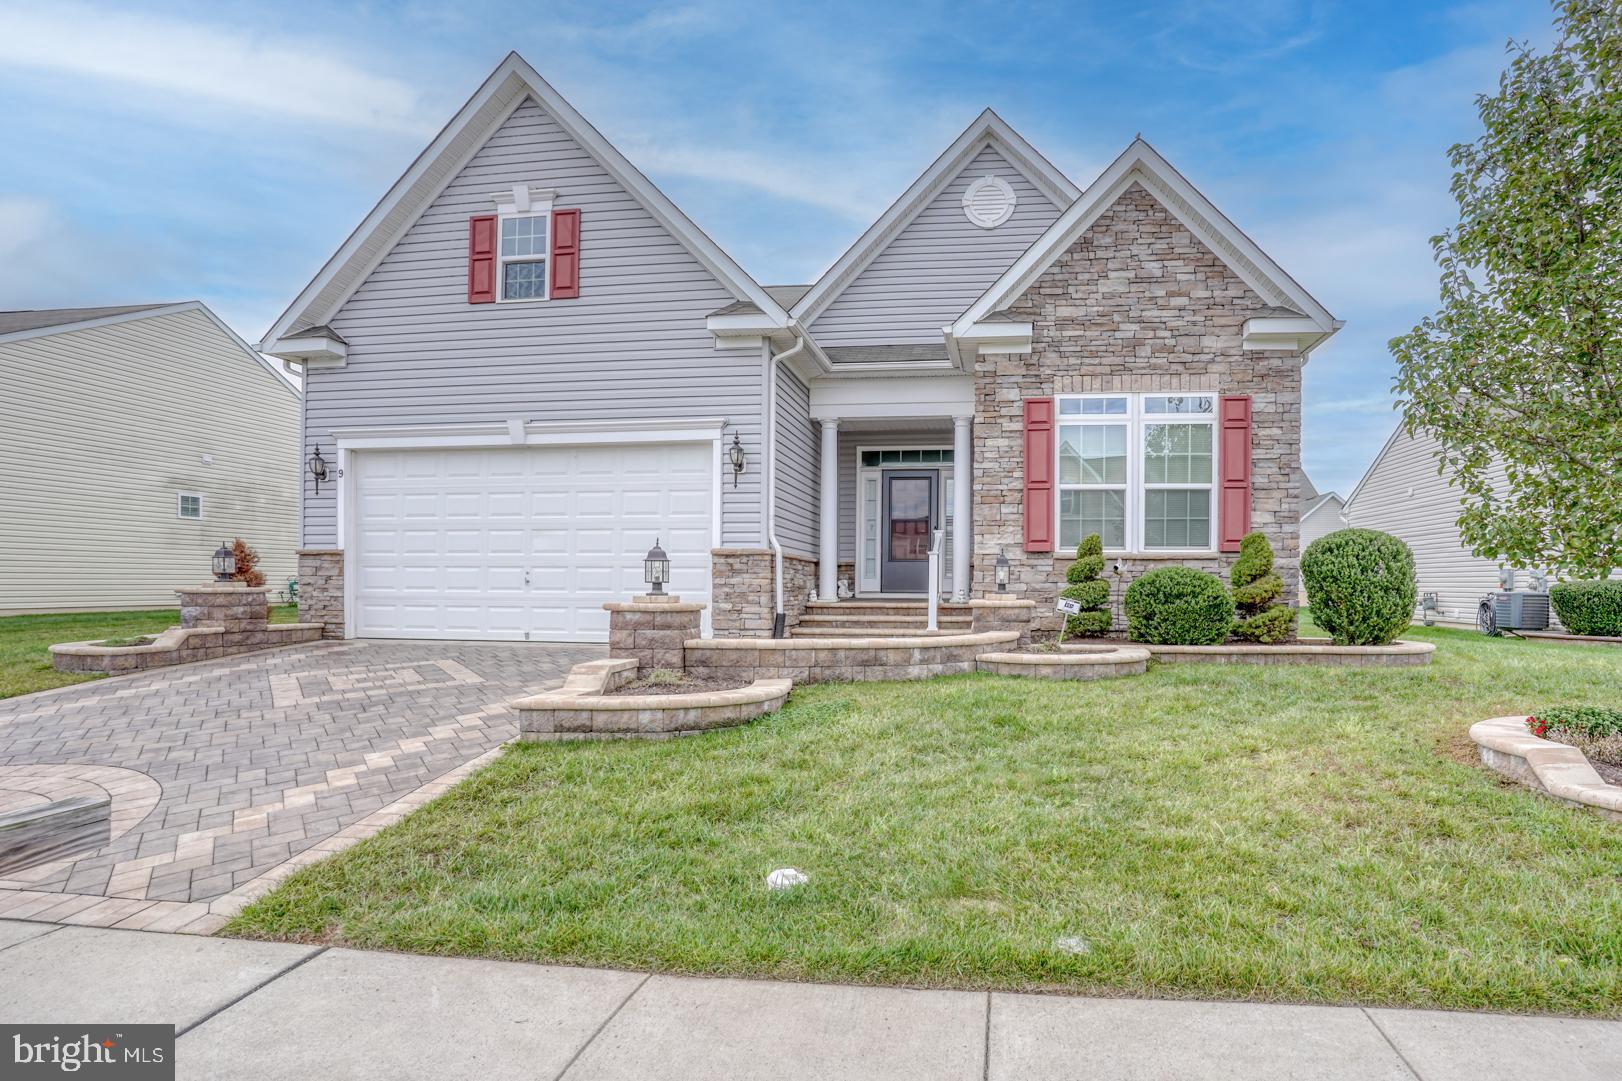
1002,572
225,563
735,456
318,468
656,569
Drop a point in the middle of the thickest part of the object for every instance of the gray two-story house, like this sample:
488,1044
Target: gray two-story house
527,364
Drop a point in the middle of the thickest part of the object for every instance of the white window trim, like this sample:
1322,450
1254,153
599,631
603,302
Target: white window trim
943,493
179,496
523,202
1136,418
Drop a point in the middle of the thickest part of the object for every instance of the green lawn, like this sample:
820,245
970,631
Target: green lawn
25,664
1293,834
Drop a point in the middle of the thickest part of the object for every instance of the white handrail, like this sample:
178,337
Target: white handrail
935,578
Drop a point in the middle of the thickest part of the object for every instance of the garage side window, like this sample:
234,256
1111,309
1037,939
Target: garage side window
189,505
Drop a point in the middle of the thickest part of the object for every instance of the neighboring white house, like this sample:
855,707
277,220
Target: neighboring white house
136,440
1403,494
1320,515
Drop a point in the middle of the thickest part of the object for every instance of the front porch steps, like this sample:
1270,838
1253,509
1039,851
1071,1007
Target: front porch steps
879,619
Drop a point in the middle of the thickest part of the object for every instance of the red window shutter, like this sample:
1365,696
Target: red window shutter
1234,490
565,254
481,259
1039,456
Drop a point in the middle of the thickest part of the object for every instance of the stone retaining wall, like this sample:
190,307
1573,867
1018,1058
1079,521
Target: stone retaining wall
742,595
1556,769
321,589
584,708
1000,612
650,630
1318,651
1092,662
841,660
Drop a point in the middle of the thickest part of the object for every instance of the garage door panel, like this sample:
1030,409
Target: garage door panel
507,542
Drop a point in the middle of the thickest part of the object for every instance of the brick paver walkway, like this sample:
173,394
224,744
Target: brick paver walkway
255,760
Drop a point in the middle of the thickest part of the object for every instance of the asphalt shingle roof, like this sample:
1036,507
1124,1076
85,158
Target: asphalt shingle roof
36,318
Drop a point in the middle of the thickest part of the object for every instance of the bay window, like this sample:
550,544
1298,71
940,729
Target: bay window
1139,470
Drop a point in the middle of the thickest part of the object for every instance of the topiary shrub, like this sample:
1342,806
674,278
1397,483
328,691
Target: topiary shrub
1589,607
1255,588
1088,589
1360,586
1178,606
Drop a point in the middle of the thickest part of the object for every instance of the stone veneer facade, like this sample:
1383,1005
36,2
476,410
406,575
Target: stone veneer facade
1137,304
742,595
321,589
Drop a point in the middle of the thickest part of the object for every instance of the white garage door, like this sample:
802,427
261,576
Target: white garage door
523,543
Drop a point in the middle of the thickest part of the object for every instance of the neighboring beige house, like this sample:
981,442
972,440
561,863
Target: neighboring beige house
136,440
1403,494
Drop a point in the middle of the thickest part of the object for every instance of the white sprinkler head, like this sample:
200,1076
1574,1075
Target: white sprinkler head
786,878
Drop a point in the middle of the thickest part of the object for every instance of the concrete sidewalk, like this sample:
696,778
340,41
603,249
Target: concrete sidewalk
251,1010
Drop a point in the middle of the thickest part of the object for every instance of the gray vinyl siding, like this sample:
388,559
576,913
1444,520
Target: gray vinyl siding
103,428
1403,495
937,266
798,461
849,442
632,348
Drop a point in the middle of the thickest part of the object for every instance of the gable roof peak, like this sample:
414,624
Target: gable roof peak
505,89
986,129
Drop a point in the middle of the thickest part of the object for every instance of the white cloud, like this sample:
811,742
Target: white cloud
850,193
208,65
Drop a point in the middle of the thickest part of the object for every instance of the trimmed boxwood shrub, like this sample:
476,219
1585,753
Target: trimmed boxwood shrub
1256,588
1178,606
1589,607
1360,586
1087,588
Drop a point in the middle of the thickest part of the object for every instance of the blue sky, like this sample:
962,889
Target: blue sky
221,151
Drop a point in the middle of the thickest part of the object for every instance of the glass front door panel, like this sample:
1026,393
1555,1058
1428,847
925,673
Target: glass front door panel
909,517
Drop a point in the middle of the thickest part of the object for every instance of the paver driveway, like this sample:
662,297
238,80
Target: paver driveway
221,772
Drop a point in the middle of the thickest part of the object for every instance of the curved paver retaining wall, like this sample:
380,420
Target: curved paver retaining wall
584,708
840,660
1071,662
1321,651
1557,769
179,645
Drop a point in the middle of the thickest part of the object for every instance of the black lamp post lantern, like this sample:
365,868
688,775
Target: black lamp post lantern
317,466
736,457
656,569
225,563
1002,572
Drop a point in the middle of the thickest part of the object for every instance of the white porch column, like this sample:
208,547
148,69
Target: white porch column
962,491
828,527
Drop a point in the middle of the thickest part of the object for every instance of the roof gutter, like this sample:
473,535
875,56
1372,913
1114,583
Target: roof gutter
770,421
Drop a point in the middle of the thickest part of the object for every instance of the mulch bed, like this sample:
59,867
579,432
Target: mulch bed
687,685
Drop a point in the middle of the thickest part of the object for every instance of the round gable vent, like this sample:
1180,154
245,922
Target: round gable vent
989,202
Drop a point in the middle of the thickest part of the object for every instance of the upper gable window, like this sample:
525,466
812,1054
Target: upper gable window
523,255
989,202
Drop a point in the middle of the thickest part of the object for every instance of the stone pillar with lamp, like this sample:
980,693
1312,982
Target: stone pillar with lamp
652,628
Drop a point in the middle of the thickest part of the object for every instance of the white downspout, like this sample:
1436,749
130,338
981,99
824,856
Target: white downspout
770,478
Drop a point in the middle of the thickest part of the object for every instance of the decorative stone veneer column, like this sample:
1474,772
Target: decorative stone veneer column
321,589
651,629
741,592
1136,305
1001,612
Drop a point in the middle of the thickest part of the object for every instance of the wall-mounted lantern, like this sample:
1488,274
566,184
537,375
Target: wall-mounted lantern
736,457
225,563
317,466
656,569
1002,572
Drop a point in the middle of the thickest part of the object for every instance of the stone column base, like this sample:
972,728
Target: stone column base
1003,613
651,629
321,589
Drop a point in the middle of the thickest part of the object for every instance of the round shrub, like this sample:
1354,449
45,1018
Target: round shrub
1589,607
1178,606
1360,586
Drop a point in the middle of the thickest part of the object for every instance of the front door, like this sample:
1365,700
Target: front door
909,517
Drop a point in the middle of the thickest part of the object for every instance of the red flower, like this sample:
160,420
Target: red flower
1537,727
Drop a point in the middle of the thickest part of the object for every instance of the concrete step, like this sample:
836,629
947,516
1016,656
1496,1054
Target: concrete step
883,608
802,631
879,620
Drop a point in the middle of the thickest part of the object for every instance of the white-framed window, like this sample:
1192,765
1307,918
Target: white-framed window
523,244
1139,470
188,505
